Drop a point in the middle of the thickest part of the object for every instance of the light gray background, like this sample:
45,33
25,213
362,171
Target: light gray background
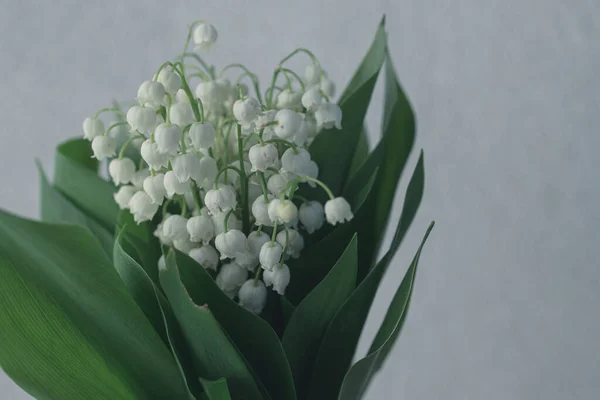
506,94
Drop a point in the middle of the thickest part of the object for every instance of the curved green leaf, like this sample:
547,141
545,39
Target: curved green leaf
212,352
361,153
253,336
140,243
66,264
339,343
216,390
359,376
305,331
76,175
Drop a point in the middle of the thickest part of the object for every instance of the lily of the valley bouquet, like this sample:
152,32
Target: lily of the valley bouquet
231,250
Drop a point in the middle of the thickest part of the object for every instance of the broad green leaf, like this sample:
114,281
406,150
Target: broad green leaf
216,390
361,153
359,376
339,343
140,243
213,354
55,207
305,331
354,103
68,265
77,177
44,352
253,336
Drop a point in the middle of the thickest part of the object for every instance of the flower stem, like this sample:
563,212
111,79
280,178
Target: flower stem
226,219
263,184
243,182
115,110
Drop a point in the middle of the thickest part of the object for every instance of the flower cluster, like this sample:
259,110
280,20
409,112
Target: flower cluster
218,170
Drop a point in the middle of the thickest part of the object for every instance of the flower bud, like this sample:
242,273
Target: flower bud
295,161
181,114
222,199
270,255
311,216
295,242
279,277
141,119
202,135
167,138
282,211
312,98
230,278
92,127
175,228
338,210
253,296
205,36
246,110
103,146
312,73
328,115
142,207
288,99
186,166
262,156
121,170
201,229
155,188
124,195
327,86
153,157
231,243
206,256
173,186
260,210
288,123
170,80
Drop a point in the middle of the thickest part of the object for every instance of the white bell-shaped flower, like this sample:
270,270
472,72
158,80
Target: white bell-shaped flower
221,199
156,94
230,278
207,172
154,186
212,94
312,171
246,110
184,245
181,114
312,98
312,73
92,127
124,195
153,157
175,228
218,219
182,97
142,93
279,277
295,242
262,122
141,119
202,135
270,255
338,210
289,99
173,186
186,166
260,210
295,161
231,243
311,215
256,240
276,184
328,115
142,207
247,260
103,146
201,228
282,211
139,176
262,156
288,123
170,80
302,135
158,232
206,256
205,36
121,170
167,137
327,86
253,296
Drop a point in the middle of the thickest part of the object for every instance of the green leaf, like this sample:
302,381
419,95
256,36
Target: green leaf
361,153
354,103
359,376
216,390
67,265
253,336
310,319
140,243
44,352
339,343
213,353
76,175
55,207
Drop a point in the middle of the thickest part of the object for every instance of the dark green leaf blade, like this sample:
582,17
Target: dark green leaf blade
339,343
213,353
359,376
69,266
303,334
77,177
216,390
361,153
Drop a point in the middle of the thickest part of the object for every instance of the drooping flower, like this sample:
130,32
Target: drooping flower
103,147
338,210
170,80
289,99
260,210
141,119
278,277
230,278
181,114
173,186
186,166
153,157
288,123
328,115
295,242
167,138
230,243
202,135
121,170
253,296
270,255
311,216
312,98
154,186
246,110
92,127
221,199
206,256
282,211
263,156
142,207
201,228
124,195
175,228
205,36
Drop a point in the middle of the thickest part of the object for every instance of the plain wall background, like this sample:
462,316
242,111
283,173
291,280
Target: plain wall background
507,99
